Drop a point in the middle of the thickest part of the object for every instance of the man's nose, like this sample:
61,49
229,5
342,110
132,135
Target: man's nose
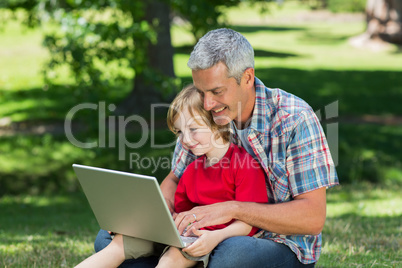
209,103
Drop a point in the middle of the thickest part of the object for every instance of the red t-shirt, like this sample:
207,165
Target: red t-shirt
237,176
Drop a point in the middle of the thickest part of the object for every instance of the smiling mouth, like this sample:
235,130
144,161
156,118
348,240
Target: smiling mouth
219,110
192,146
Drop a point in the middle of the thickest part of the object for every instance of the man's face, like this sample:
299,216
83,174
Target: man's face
222,96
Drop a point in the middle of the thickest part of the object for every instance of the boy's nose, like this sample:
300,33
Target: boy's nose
186,138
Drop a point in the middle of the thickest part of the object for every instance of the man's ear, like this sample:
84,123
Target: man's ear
248,77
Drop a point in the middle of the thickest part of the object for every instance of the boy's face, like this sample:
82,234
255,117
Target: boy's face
222,96
195,135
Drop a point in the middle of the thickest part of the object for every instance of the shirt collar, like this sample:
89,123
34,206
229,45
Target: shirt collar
259,121
259,118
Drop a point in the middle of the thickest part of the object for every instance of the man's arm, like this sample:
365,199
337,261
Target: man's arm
168,188
303,215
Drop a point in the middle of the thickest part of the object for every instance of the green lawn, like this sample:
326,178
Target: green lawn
363,229
309,58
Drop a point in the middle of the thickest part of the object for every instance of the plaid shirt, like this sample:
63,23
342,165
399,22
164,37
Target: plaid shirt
288,141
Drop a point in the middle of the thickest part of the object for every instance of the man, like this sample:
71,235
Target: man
279,130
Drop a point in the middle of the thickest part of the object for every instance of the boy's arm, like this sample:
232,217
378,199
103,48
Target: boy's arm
208,240
237,228
168,188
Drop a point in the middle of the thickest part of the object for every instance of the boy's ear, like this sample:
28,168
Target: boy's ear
248,77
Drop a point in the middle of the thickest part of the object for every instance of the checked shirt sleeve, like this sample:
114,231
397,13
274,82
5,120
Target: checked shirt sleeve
309,162
181,159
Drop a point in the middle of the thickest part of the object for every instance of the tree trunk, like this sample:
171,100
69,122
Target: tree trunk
158,57
384,24
384,20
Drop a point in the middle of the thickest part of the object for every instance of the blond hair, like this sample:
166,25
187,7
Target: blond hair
189,98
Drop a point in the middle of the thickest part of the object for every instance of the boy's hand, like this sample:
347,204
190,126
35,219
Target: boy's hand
206,242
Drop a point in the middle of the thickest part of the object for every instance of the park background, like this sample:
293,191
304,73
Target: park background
53,58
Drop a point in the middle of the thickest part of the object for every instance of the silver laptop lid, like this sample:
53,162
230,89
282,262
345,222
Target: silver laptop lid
128,204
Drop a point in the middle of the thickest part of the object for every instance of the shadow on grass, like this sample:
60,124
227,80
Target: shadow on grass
45,216
253,29
358,92
53,103
366,152
270,54
370,152
43,164
37,104
187,49
322,38
307,35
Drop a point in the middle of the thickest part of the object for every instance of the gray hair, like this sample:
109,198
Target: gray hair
226,46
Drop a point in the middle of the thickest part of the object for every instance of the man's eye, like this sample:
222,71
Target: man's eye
217,92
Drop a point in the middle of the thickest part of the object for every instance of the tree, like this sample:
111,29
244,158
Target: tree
113,41
109,41
384,23
158,62
384,20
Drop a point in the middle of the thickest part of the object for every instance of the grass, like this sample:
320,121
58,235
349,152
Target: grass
363,229
308,58
20,46
45,231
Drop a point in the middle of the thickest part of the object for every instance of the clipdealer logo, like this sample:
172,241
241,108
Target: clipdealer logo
328,118
112,129
112,132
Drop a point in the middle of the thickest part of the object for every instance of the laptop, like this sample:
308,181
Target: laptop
129,204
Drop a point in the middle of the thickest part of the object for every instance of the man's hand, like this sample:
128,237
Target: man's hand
303,215
209,215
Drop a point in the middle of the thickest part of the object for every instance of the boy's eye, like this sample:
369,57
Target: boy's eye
193,129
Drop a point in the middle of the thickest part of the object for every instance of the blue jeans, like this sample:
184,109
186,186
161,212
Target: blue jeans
238,251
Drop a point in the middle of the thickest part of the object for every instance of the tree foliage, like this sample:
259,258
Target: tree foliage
110,41
203,15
